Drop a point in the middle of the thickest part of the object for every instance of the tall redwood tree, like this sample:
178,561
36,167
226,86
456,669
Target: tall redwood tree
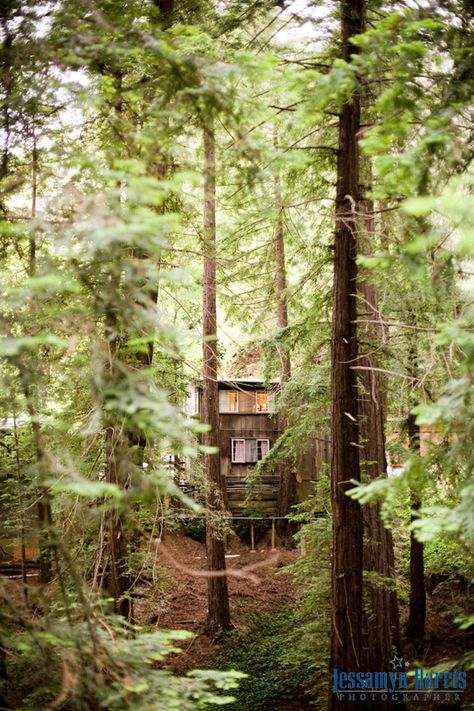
217,593
347,513
287,488
415,629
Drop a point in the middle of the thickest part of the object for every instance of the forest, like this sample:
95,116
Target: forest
236,355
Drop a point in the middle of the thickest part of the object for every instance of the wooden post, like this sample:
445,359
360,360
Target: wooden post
273,534
252,538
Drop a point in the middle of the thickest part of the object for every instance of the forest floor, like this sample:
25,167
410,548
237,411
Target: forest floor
256,582
175,597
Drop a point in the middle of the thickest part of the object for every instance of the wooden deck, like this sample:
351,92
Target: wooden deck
264,495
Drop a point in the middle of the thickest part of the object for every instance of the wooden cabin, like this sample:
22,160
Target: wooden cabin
18,522
248,428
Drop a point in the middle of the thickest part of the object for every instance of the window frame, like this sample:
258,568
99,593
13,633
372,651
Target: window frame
262,439
246,459
228,409
236,461
249,395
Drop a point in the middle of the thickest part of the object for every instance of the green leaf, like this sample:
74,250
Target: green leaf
11,347
87,488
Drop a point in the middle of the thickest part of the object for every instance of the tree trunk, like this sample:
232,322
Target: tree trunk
43,506
381,630
166,8
118,579
117,444
287,487
217,593
381,622
44,512
280,283
415,630
144,358
121,451
8,87
347,513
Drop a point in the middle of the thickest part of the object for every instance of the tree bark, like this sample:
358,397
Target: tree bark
280,283
43,506
381,629
145,359
217,592
347,513
287,486
415,630
8,84
123,450
166,8
118,579
44,512
381,632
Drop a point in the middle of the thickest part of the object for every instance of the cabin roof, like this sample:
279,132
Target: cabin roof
250,382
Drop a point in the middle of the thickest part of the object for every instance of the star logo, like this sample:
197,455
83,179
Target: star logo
396,662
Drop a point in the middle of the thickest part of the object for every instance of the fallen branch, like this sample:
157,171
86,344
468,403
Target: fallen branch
245,572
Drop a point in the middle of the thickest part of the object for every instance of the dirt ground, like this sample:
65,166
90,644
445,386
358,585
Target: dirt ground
257,582
179,600
175,597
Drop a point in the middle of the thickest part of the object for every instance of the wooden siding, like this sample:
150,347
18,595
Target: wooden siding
11,549
313,456
247,426
250,425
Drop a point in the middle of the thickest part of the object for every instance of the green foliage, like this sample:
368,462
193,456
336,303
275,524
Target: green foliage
196,529
285,653
445,555
85,665
100,196
261,652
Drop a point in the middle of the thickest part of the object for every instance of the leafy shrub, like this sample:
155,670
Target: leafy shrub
262,653
445,555
195,528
285,653
79,666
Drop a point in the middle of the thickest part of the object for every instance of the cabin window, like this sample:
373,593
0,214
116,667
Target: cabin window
263,402
250,450
238,451
228,401
263,445
247,402
247,451
231,401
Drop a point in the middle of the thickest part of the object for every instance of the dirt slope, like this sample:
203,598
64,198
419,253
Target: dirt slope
178,599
